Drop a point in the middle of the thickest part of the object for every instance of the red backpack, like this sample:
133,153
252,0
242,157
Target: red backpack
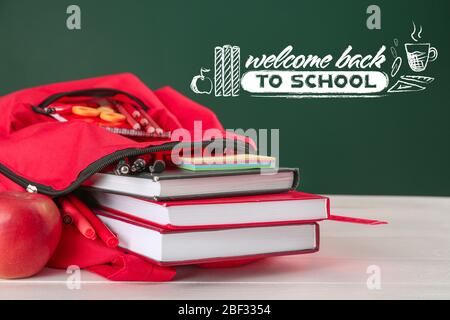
41,154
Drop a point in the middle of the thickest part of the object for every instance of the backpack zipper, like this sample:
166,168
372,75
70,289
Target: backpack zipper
106,161
42,108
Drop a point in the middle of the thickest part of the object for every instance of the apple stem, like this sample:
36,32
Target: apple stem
201,72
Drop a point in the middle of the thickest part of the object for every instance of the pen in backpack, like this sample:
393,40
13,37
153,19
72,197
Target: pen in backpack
140,164
131,121
122,168
158,165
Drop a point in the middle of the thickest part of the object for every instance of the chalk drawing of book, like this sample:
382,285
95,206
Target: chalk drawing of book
227,71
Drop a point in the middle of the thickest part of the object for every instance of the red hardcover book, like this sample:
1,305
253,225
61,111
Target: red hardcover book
277,209
168,247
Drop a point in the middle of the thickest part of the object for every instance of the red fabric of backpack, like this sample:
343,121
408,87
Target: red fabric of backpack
40,154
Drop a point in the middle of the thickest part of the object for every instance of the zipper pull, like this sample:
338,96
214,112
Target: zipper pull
32,189
46,111
49,110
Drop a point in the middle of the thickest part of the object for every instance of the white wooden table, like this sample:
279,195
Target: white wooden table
412,254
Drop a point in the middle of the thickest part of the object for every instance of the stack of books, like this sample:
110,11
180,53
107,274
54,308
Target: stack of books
182,217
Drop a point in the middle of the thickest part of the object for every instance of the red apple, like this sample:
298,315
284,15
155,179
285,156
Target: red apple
30,229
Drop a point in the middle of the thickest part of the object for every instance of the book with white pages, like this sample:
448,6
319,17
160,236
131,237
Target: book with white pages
184,184
170,248
281,208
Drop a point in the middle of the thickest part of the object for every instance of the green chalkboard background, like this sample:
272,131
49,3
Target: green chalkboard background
391,145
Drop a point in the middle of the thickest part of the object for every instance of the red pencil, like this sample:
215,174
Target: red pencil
135,113
109,238
131,121
131,110
152,123
77,219
144,120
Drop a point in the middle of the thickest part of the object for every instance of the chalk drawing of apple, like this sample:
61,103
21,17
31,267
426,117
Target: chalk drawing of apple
202,84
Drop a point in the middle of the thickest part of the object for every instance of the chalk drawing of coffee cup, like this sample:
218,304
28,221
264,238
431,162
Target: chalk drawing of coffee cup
419,54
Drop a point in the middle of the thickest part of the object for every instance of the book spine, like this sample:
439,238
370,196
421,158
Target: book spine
218,71
236,70
227,71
